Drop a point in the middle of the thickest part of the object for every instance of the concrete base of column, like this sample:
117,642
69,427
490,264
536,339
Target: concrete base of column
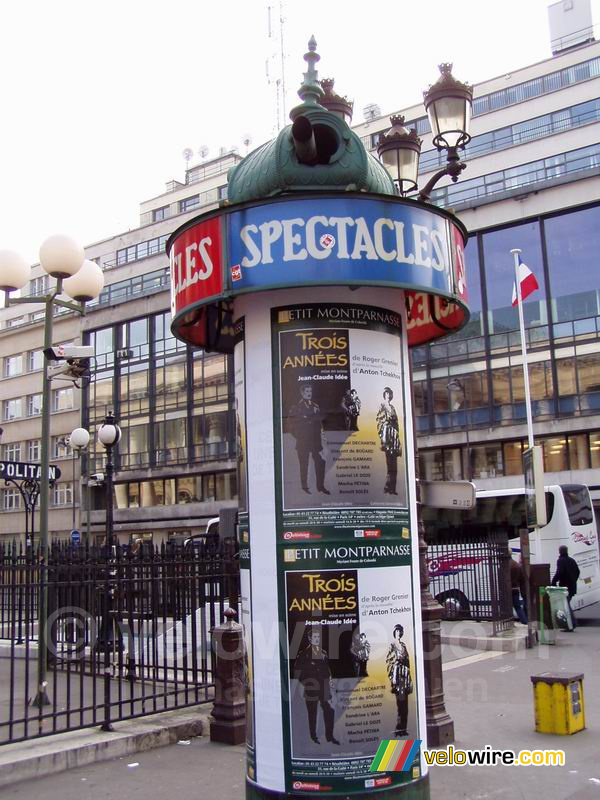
415,790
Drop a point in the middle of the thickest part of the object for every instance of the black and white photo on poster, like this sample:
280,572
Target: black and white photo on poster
246,607
239,358
341,403
351,661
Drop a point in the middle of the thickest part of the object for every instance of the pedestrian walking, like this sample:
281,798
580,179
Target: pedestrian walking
567,574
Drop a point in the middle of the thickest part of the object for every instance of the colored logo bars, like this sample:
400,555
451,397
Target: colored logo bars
395,755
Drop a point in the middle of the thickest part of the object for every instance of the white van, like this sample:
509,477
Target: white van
209,537
459,579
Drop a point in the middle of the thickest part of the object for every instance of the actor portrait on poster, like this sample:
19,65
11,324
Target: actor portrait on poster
341,405
350,660
240,415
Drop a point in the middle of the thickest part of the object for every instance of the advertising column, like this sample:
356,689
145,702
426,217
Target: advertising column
244,536
347,587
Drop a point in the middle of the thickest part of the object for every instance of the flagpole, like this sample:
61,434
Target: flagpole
531,635
516,253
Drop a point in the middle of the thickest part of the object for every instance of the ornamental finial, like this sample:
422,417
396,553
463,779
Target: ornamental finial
447,83
310,91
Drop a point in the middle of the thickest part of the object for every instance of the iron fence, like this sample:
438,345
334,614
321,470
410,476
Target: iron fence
127,633
469,576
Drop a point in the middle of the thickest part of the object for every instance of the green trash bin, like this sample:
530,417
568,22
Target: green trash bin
555,613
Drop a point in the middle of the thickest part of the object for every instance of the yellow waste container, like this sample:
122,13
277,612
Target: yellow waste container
558,701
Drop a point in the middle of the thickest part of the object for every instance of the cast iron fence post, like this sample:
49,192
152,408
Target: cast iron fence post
228,723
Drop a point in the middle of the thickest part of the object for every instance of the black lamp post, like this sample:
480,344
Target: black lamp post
82,280
109,435
448,104
79,440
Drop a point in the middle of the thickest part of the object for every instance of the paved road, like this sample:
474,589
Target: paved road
488,695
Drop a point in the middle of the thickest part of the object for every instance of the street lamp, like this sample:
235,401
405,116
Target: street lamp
455,384
448,104
79,440
109,436
63,259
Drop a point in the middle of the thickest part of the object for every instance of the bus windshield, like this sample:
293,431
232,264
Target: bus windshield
579,505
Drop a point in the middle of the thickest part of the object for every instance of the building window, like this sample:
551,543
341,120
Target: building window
189,203
11,499
452,461
35,360
431,465
536,87
33,450
573,241
555,454
34,405
13,365
135,336
578,449
137,251
486,460
62,399
174,491
62,494
502,316
595,449
133,447
513,458
158,214
15,322
39,286
11,451
12,409
59,447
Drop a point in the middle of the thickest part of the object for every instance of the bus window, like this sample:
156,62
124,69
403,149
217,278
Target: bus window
579,505
549,507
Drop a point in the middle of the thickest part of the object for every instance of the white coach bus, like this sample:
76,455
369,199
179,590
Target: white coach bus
571,522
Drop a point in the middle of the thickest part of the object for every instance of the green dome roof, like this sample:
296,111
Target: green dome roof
342,162
274,168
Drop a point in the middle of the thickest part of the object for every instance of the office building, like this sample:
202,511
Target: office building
532,182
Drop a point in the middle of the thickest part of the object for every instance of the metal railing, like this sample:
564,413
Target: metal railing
519,178
469,575
128,633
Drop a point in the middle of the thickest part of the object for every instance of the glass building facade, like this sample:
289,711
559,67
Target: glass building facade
173,405
473,381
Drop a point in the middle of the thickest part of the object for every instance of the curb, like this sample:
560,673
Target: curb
506,644
49,755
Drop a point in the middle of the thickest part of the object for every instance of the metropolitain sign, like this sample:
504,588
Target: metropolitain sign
23,470
349,239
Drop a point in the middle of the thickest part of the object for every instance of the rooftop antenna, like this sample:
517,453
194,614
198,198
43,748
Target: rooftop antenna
203,151
187,154
371,112
247,141
275,64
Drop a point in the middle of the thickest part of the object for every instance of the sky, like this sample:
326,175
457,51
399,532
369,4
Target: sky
100,99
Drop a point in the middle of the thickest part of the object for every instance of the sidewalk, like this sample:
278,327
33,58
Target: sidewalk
488,694
479,636
50,755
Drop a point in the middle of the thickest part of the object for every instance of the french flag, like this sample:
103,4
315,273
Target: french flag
528,283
